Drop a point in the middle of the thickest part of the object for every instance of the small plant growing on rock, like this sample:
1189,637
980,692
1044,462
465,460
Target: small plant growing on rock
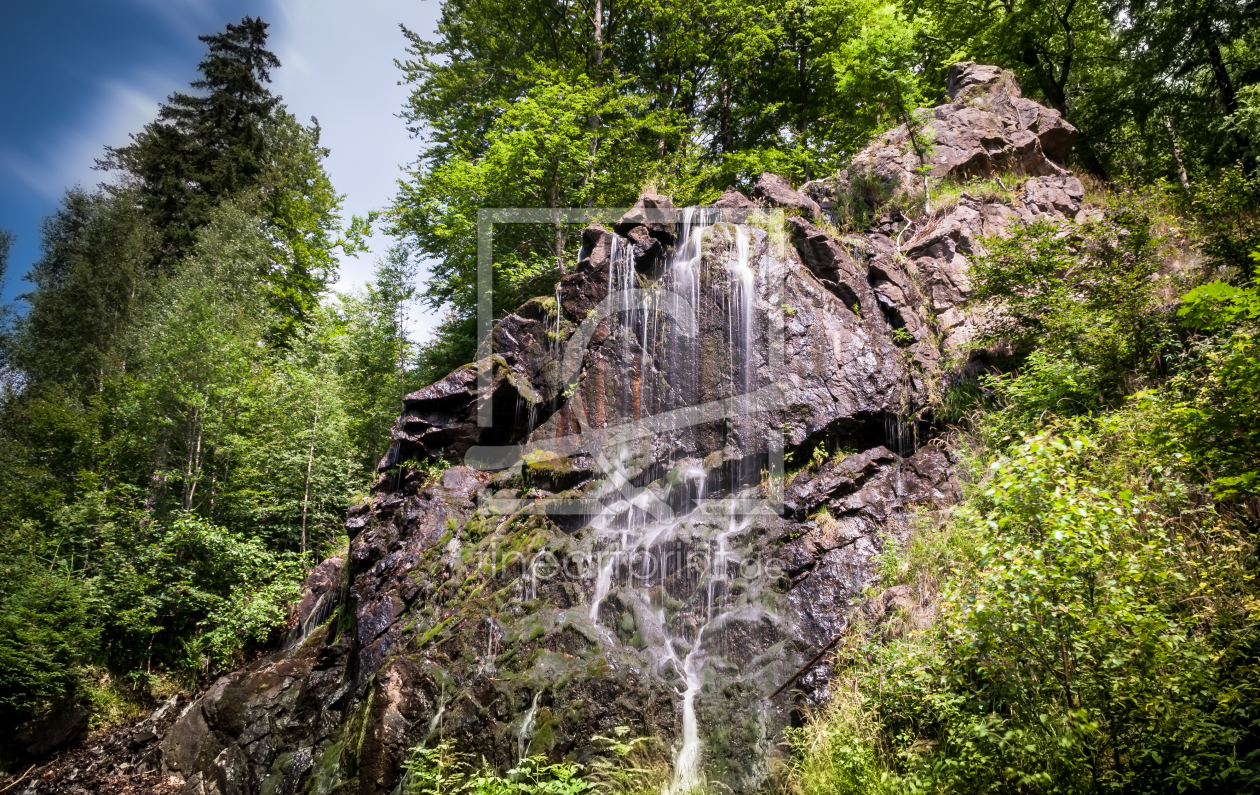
442,770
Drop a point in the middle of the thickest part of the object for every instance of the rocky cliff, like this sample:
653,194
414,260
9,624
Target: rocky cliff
638,531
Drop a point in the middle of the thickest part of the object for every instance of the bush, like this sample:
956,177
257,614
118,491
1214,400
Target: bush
1213,411
189,580
443,771
1091,636
45,634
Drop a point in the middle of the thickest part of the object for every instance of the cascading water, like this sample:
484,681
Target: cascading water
669,568
526,731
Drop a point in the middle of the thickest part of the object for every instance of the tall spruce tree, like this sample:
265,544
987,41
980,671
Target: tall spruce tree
206,147
6,245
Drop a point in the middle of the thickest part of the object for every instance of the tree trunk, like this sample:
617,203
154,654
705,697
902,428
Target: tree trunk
1225,88
310,459
1220,75
1182,177
594,121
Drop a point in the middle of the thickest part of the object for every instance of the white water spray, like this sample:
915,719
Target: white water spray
525,733
646,551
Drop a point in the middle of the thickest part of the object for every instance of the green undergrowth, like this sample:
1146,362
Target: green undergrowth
1095,632
623,765
442,770
997,189
1085,620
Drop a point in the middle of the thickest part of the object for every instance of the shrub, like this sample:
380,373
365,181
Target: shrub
45,634
189,579
1091,636
442,770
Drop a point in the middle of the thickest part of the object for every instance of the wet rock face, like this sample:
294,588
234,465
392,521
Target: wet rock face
471,612
573,577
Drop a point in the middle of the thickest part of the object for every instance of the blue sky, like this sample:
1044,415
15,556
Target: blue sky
78,76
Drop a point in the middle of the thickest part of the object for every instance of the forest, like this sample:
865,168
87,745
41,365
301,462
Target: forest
190,412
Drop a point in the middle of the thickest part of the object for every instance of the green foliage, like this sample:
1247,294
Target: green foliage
1079,305
92,281
1047,385
542,151
443,771
375,361
531,110
234,141
1157,89
1213,409
835,756
45,632
215,590
1083,289
185,415
1082,643
1226,224
6,311
625,766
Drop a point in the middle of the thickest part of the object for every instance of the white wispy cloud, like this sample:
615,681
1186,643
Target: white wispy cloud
65,158
188,18
338,65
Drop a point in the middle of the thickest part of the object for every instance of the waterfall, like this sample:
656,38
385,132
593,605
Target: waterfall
527,726
492,637
643,556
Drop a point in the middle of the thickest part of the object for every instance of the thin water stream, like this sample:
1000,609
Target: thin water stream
669,569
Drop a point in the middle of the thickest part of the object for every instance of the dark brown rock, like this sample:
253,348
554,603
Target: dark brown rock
319,591
583,289
56,727
648,250
827,259
775,191
735,206
655,213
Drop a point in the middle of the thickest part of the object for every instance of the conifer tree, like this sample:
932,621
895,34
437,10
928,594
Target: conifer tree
205,147
6,245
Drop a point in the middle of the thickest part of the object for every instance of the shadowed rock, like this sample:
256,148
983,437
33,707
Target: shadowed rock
654,212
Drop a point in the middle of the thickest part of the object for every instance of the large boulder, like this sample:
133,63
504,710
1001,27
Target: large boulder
52,729
653,212
776,192
987,129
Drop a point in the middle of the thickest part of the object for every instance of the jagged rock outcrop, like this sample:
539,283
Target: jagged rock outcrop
776,192
484,606
918,265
